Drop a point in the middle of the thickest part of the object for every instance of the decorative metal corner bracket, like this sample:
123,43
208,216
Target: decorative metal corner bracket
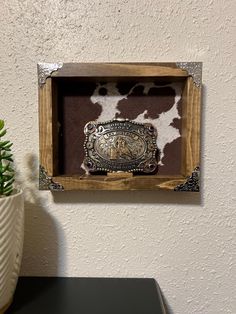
194,69
45,70
46,182
192,184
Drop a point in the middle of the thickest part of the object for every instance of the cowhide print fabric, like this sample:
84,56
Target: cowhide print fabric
159,104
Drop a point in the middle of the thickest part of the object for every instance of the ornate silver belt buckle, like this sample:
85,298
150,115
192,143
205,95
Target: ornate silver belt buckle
120,145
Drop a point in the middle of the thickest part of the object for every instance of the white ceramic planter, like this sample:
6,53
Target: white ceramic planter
11,245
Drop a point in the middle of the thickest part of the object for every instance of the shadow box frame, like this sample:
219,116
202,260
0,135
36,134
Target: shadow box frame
190,73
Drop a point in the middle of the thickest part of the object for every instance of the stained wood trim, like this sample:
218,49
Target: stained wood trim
119,69
191,127
114,183
55,129
46,126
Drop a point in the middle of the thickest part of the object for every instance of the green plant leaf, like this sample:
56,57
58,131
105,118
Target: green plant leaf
10,169
6,168
6,156
4,144
9,183
7,147
7,177
1,124
4,153
6,171
2,133
8,191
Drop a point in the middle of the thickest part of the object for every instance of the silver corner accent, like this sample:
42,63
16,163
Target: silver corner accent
194,69
192,183
46,182
45,70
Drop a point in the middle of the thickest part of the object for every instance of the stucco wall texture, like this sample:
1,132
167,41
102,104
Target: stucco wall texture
185,241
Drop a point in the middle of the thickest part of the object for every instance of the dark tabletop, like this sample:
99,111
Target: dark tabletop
45,295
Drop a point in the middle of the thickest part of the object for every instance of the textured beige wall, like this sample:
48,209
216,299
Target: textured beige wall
186,242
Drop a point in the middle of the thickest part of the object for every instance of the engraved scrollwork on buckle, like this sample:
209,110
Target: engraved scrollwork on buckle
120,145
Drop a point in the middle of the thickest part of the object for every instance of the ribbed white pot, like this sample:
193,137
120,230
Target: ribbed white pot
11,244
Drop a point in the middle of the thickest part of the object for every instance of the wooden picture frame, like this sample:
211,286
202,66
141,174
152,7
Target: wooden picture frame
51,79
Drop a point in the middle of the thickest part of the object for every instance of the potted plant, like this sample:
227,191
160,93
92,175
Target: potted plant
11,224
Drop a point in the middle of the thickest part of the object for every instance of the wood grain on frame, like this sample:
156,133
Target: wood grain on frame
46,127
191,127
99,70
119,183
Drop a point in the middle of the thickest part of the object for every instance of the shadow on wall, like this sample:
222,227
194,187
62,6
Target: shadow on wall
128,197
41,243
166,304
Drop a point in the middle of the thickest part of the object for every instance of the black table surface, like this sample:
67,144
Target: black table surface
55,295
